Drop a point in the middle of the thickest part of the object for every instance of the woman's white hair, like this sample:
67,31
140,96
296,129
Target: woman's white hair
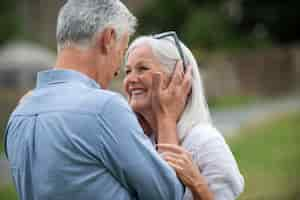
79,21
165,50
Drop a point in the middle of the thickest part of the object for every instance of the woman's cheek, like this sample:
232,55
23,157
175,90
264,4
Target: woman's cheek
147,79
125,86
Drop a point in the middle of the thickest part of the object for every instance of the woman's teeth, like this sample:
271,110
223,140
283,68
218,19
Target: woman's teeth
137,92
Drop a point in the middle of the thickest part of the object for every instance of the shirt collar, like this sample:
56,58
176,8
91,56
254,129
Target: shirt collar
57,76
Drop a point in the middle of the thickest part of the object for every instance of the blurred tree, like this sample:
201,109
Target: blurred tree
200,23
33,20
39,20
215,24
208,24
194,20
206,27
9,21
163,15
280,19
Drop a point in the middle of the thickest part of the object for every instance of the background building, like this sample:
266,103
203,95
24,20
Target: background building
20,62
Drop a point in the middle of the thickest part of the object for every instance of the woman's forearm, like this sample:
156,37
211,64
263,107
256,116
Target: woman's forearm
201,191
167,132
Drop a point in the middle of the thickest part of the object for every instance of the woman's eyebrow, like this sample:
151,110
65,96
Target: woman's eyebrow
144,61
141,62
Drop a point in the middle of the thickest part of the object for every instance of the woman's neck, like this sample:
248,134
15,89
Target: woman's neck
150,120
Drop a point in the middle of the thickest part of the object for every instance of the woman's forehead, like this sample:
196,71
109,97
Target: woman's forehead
142,52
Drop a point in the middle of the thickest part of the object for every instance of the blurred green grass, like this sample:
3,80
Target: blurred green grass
8,193
269,158
227,102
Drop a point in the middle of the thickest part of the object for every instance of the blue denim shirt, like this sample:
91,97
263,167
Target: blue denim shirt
71,140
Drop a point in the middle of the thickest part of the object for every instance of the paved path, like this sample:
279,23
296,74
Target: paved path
227,121
230,121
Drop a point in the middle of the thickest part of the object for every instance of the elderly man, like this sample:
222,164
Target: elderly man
71,139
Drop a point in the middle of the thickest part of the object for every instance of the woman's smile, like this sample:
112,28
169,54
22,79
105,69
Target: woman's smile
137,93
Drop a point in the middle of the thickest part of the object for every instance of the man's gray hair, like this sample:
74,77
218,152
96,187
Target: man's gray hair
80,20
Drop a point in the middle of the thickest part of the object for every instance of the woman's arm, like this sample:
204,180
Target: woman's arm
201,191
169,103
187,170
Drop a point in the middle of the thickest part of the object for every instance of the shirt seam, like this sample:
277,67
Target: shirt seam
53,111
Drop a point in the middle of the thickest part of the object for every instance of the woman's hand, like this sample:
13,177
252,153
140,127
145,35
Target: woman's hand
181,161
170,102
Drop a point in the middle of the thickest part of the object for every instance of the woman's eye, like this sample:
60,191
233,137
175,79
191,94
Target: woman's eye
143,68
127,71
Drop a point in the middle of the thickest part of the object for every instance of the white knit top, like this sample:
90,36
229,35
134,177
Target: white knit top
215,161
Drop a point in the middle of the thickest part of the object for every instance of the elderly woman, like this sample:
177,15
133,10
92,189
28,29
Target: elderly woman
203,161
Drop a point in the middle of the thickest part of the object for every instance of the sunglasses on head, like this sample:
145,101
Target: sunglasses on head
173,35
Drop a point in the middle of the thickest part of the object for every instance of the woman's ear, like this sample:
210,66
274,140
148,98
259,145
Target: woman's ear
106,40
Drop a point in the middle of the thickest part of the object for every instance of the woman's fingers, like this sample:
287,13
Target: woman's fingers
183,164
177,157
182,159
187,80
176,153
179,65
177,164
181,81
156,84
171,148
177,168
177,76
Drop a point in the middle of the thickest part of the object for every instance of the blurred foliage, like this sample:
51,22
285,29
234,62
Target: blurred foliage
223,24
279,18
201,24
9,21
269,159
207,24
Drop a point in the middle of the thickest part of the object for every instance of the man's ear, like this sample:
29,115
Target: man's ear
106,40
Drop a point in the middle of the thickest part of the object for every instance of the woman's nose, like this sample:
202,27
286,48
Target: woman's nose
132,77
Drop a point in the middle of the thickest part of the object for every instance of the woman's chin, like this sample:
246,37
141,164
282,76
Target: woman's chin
138,107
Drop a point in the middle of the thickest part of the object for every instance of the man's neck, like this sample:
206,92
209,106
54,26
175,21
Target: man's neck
82,61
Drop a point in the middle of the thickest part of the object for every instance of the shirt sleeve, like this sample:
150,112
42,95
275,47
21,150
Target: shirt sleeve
217,164
130,157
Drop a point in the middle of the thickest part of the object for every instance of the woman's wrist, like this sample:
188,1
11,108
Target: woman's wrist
200,190
167,131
